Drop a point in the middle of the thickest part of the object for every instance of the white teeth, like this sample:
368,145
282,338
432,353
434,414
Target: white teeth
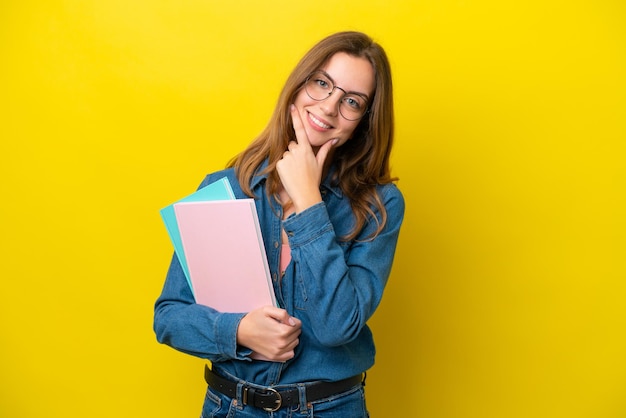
319,122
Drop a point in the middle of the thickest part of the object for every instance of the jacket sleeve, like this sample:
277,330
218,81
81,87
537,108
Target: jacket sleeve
192,328
342,289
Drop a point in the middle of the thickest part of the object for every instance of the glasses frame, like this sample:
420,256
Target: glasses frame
332,90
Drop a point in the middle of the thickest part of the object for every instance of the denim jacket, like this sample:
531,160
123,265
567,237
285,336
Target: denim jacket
331,285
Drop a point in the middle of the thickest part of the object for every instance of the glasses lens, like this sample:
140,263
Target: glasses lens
318,86
352,106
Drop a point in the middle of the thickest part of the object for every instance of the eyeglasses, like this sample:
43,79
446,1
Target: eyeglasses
319,86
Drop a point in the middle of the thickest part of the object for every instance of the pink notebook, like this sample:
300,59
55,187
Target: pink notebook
225,254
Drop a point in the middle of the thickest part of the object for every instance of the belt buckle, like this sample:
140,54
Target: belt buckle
279,401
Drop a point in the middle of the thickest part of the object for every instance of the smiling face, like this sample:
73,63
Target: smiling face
322,120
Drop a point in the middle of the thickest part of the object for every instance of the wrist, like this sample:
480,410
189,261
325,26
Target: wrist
304,204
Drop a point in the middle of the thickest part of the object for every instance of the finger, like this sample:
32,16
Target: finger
292,345
290,331
281,316
323,151
298,127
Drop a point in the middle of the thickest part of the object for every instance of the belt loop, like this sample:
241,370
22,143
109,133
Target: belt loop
241,395
304,403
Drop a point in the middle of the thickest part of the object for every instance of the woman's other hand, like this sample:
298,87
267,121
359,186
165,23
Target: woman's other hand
270,332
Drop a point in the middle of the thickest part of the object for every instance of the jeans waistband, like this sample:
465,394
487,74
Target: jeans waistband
272,399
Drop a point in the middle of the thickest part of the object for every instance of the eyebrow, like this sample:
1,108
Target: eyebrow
347,92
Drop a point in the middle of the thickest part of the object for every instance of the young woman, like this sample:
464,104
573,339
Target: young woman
330,217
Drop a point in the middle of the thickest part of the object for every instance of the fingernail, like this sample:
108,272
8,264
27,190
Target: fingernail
292,107
292,321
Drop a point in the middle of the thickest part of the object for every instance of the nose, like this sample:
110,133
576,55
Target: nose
330,106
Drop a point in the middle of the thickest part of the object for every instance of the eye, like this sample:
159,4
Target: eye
354,102
322,83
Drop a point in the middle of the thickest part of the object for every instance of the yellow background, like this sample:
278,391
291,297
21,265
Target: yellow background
507,298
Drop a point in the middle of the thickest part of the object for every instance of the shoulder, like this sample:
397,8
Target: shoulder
391,197
228,173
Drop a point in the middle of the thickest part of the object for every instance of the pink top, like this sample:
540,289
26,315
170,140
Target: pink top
285,257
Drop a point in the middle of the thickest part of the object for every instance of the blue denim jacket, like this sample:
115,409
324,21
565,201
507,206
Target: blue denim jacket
332,286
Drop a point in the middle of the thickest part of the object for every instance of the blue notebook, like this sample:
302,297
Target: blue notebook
218,190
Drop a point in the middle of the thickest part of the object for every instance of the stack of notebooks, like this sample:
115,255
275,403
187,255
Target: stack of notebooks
218,243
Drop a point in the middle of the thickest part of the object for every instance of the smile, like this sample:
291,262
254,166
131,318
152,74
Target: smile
318,122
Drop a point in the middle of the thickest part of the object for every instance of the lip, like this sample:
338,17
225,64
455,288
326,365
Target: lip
314,120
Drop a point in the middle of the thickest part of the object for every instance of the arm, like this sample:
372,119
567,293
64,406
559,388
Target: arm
342,293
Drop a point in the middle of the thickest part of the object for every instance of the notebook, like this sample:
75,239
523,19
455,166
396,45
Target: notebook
225,255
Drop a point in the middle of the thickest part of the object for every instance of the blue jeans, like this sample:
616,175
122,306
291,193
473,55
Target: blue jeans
349,404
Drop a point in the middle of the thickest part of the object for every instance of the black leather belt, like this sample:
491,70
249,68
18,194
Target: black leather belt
271,399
